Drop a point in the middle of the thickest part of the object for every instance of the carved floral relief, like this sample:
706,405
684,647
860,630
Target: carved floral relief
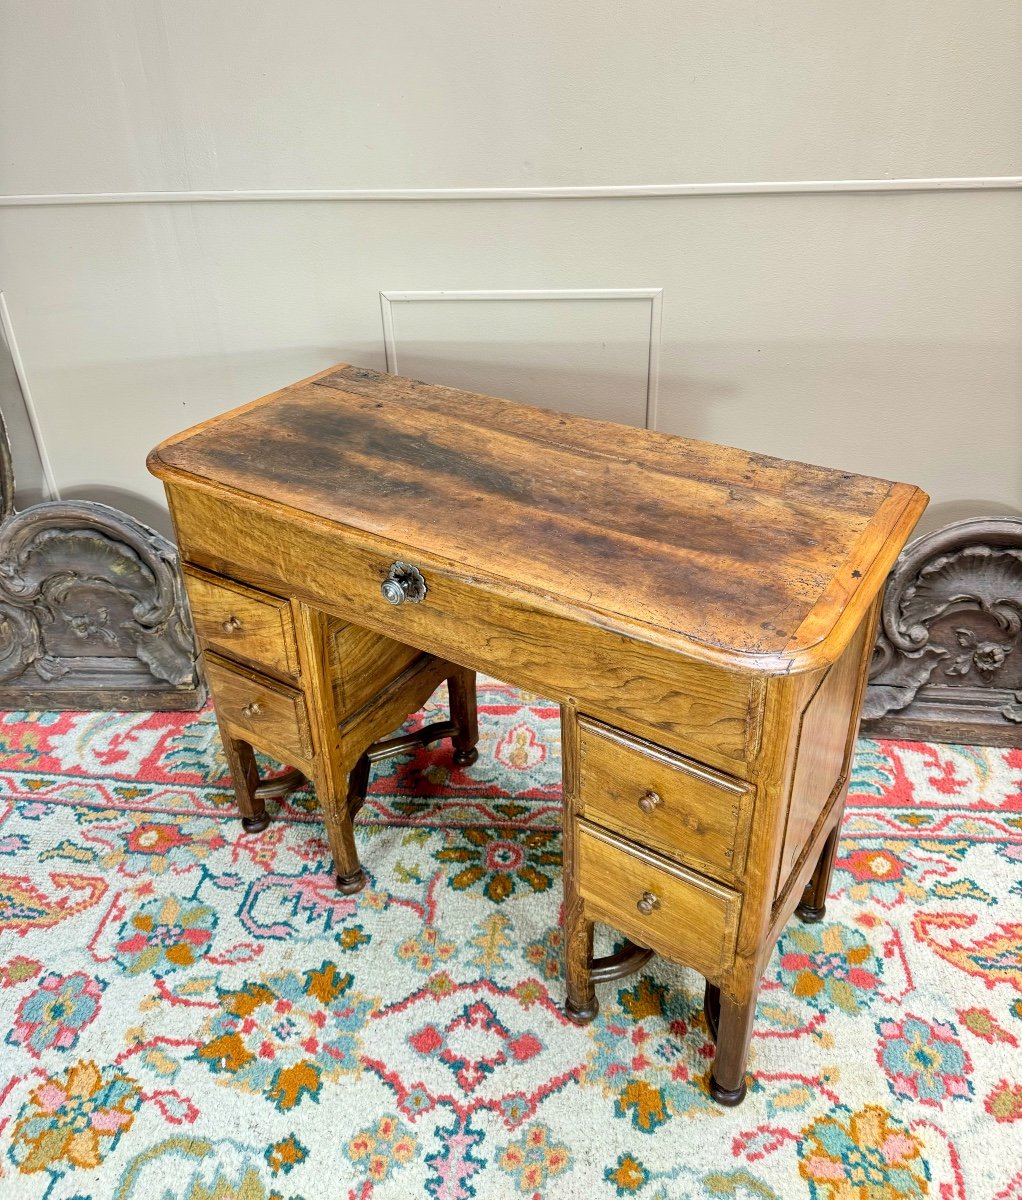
951,626
92,609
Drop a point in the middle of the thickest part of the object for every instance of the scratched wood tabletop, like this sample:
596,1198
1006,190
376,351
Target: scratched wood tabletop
753,554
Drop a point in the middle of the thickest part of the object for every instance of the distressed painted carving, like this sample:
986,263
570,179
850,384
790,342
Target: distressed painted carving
948,658
92,609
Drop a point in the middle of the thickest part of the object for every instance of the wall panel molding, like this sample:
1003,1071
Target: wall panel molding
654,297
951,183
7,336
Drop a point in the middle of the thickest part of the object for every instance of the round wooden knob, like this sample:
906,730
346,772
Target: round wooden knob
231,625
648,902
650,802
252,710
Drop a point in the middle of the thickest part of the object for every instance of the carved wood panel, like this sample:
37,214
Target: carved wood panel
92,609
948,660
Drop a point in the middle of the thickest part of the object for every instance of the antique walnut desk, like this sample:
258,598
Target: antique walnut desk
704,616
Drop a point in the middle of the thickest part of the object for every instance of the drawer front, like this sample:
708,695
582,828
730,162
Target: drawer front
270,716
679,808
242,623
703,709
679,915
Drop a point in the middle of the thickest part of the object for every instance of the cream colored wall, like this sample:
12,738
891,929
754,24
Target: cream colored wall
873,327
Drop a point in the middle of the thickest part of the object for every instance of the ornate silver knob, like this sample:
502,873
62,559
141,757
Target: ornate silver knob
648,902
403,582
393,592
252,710
650,802
231,625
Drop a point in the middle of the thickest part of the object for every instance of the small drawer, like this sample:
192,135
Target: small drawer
679,808
685,918
270,716
242,623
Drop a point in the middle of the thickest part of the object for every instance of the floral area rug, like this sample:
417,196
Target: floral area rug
188,1011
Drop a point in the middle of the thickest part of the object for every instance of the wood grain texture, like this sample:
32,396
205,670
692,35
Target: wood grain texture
821,766
362,663
461,687
677,807
702,615
244,774
692,919
385,711
581,1004
241,623
696,707
825,743
269,716
752,555
334,764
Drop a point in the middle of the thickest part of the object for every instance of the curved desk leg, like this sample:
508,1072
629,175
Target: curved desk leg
252,792
462,729
280,785
353,879
813,905
626,961
461,687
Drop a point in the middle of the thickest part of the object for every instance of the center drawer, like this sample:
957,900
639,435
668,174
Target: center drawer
679,808
685,918
552,645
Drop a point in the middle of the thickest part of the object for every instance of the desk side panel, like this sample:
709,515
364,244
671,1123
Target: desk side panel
697,708
825,742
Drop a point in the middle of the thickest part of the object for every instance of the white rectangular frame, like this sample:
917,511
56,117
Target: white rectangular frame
653,295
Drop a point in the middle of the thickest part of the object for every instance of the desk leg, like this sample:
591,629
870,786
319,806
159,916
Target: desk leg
813,905
245,774
581,1005
462,689
334,779
733,1030
350,876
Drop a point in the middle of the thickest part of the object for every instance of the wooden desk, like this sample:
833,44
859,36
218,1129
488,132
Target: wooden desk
704,617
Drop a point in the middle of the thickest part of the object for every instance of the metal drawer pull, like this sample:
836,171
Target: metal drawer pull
648,902
231,625
650,802
252,710
403,582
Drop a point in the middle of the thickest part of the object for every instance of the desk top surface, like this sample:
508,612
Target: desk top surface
740,552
